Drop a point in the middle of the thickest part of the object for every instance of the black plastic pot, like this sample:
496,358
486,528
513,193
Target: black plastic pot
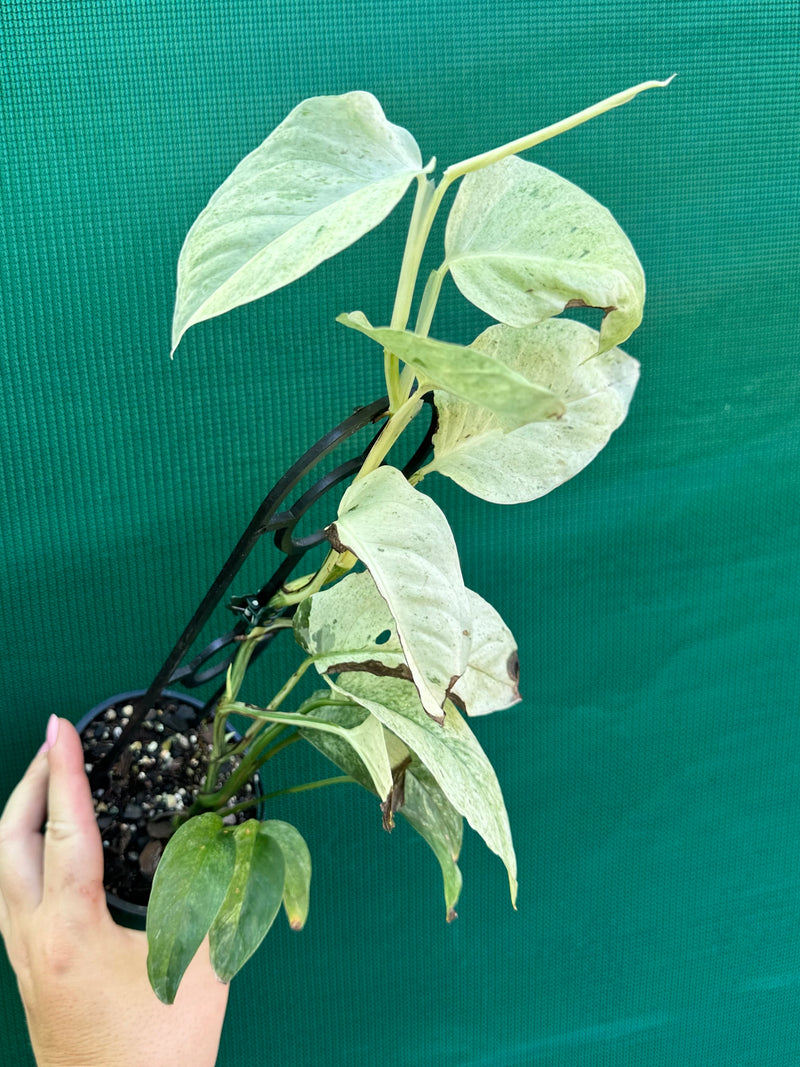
124,912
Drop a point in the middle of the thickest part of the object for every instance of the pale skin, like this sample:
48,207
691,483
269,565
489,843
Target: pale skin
82,978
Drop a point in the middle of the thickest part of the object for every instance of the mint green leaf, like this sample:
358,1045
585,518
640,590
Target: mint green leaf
424,804
347,714
365,737
329,173
522,244
189,886
297,858
468,373
508,465
450,752
252,901
437,822
406,543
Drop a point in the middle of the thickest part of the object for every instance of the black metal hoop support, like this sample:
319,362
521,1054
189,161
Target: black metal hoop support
267,519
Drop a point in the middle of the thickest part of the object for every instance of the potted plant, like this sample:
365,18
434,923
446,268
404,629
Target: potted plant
402,652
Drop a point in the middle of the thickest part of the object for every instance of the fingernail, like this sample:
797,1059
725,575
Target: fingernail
51,734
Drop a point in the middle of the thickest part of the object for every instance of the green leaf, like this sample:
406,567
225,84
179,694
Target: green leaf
468,373
450,752
406,543
297,859
329,173
437,821
509,465
424,805
348,714
523,243
349,627
252,901
189,886
366,737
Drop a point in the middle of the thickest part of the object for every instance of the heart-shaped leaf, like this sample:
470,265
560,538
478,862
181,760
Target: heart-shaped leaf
523,243
190,884
450,752
508,465
330,172
467,373
406,543
252,901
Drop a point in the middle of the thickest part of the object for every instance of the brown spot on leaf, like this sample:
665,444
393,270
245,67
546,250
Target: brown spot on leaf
582,304
513,666
372,666
449,695
397,794
459,703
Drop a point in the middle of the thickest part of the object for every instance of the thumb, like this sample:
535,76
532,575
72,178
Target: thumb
73,851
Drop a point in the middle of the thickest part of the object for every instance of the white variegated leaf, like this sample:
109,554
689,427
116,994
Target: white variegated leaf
509,465
523,243
330,172
349,627
450,752
405,541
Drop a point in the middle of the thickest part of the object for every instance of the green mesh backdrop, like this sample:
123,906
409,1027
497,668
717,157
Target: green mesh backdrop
652,774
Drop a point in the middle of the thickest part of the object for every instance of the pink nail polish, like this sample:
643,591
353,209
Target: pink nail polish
51,735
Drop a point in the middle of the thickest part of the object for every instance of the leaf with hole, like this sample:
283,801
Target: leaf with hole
407,545
349,627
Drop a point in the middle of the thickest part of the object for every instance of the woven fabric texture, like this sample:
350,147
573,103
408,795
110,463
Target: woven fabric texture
652,774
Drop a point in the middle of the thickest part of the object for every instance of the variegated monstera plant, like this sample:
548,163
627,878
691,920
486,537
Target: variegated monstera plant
404,650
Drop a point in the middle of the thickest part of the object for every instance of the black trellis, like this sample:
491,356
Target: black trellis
253,610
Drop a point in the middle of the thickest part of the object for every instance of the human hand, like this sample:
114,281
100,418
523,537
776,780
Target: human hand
82,978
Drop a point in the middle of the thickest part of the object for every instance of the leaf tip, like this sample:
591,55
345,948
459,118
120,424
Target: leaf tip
512,885
452,914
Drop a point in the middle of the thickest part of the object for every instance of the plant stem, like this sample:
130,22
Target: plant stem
406,283
339,780
485,159
333,562
390,433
